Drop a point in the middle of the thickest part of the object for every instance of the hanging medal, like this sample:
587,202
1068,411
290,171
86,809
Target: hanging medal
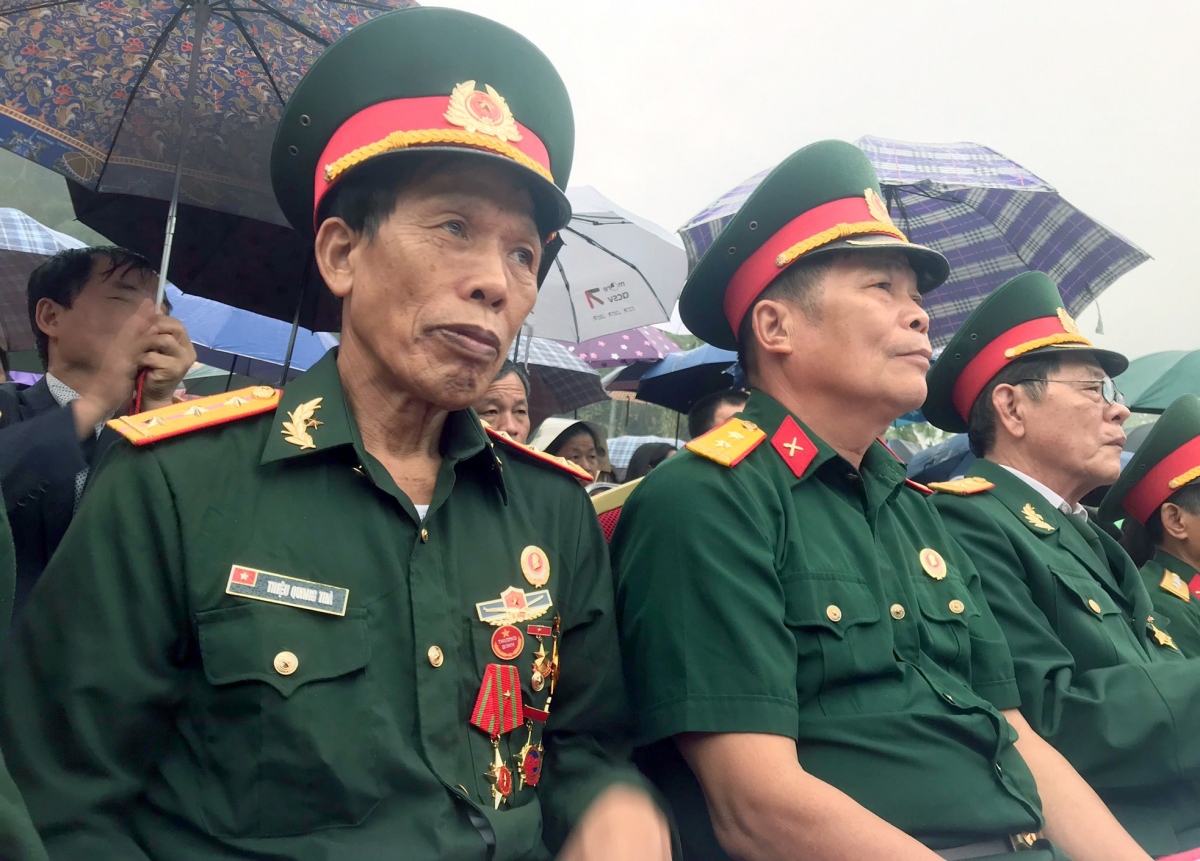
552,675
498,710
529,760
541,661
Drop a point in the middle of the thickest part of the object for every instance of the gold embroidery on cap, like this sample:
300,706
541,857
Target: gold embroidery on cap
485,112
1068,322
1188,477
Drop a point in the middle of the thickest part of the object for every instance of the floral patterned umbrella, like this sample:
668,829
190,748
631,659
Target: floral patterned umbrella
644,344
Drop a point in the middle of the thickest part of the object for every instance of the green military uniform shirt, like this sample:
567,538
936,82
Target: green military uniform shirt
152,715
755,601
1094,682
18,840
1167,579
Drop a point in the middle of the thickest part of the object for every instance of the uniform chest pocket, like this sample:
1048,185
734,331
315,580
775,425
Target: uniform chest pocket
948,611
1091,624
286,722
839,639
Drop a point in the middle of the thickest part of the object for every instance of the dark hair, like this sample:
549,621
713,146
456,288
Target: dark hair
647,456
572,431
1142,542
796,284
701,416
981,423
511,367
3,361
62,277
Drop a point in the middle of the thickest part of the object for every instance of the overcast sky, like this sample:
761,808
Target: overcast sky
676,102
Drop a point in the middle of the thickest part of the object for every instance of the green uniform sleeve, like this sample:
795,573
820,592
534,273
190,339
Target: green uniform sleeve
90,677
1120,726
586,737
702,621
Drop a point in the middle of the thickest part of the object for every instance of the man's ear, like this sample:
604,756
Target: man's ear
1008,402
334,249
46,314
1173,521
774,324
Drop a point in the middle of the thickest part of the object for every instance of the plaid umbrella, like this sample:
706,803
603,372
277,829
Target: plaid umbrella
25,245
992,218
560,381
645,344
621,448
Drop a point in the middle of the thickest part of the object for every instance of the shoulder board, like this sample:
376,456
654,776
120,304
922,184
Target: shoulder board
1173,583
918,487
614,498
560,463
728,444
187,416
962,486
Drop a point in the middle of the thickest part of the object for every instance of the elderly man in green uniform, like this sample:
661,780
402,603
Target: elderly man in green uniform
1099,675
1159,498
352,625
816,673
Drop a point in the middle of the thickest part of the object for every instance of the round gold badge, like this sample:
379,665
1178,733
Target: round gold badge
535,566
508,642
263,392
933,564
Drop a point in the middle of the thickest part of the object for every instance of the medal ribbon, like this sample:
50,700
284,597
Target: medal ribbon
498,708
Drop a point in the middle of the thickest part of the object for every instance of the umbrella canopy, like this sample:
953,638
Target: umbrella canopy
681,379
25,245
615,271
560,382
1150,384
644,344
988,215
621,448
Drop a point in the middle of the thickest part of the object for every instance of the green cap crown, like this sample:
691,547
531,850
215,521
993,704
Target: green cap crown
1178,426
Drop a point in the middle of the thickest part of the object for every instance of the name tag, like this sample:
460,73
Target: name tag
290,591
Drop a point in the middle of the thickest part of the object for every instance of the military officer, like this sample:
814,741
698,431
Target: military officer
1159,498
800,632
1098,672
351,624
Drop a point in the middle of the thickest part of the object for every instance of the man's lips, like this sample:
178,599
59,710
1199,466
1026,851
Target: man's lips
473,339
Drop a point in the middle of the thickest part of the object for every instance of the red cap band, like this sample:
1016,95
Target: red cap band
1155,489
992,358
826,223
404,123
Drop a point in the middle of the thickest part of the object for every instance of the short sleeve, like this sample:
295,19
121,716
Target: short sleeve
700,607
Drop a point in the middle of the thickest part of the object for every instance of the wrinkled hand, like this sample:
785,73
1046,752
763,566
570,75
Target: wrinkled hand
622,823
167,355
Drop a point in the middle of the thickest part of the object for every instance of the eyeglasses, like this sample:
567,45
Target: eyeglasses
1106,388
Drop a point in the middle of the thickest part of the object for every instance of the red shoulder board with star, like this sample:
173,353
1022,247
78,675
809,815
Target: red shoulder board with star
1194,585
579,474
186,416
794,446
728,444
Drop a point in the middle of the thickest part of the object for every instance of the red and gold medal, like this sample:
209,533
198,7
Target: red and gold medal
508,642
498,710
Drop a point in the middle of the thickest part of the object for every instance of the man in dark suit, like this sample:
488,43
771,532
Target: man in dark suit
93,317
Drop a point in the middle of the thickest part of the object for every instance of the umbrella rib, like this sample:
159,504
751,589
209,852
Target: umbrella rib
618,257
567,286
241,25
295,25
154,54
377,6
34,7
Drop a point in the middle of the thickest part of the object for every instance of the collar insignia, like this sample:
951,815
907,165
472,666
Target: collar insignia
296,430
1034,518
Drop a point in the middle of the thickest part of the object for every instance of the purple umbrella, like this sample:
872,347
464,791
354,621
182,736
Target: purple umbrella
644,344
992,218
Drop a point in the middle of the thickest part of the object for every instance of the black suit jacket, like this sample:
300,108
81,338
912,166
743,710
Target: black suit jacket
39,458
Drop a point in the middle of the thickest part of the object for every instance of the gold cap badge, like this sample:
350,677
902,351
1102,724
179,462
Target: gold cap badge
1068,322
876,206
483,112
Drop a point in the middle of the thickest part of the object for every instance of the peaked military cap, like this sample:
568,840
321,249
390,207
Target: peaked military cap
1167,459
418,80
824,197
1024,316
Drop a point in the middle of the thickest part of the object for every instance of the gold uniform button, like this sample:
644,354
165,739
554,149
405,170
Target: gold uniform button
957,606
1095,607
424,535
897,612
286,663
435,657
834,612
262,392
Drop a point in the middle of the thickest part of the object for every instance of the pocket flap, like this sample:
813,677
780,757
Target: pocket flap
283,646
835,605
1091,595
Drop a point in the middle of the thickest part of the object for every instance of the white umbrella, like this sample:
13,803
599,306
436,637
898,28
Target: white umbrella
615,271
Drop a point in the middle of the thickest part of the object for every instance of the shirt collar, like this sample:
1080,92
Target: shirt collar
317,395
1050,496
60,391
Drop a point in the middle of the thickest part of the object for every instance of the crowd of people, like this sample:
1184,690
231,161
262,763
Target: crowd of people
376,615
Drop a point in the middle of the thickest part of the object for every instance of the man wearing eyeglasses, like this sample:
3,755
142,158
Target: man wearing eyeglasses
1098,673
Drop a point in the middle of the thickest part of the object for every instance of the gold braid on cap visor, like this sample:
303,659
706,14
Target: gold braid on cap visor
1048,341
838,231
405,140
